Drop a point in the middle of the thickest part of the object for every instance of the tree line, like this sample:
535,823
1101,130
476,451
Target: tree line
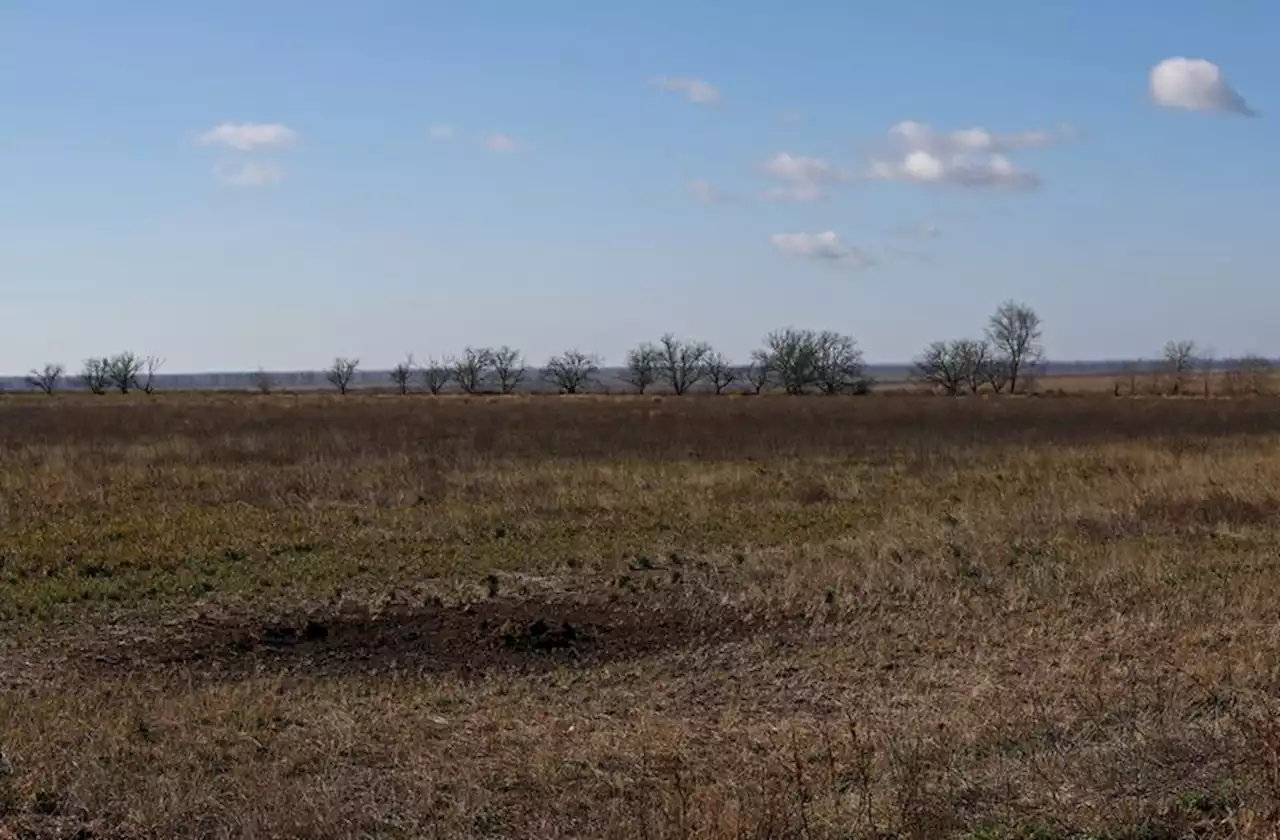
1005,359
123,372
795,360
1175,372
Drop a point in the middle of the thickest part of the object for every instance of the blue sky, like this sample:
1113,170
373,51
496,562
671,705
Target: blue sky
343,224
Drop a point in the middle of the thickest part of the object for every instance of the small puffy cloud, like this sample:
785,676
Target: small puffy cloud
246,137
440,132
803,177
500,143
698,91
250,173
792,167
1195,84
826,247
920,136
707,193
926,168
967,157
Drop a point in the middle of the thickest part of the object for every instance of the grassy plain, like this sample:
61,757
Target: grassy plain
894,616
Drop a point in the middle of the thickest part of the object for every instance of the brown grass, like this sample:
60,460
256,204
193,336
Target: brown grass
305,616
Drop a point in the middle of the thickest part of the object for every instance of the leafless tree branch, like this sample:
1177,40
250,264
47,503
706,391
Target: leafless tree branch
402,374
47,379
642,367
1015,331
342,373
508,368
571,372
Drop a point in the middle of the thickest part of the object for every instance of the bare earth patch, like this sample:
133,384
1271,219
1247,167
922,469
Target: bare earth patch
505,635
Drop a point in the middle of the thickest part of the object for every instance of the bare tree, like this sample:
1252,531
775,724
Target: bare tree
838,365
979,366
720,371
941,366
436,374
341,373
961,363
402,373
123,370
571,372
262,382
759,373
790,355
995,372
642,366
508,368
1249,374
150,366
682,364
1014,331
472,368
47,379
1179,360
96,375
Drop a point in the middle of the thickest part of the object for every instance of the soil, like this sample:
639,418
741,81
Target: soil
497,634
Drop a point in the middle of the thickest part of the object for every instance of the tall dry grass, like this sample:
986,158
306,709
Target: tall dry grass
710,618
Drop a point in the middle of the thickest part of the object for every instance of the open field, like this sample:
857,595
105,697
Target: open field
894,616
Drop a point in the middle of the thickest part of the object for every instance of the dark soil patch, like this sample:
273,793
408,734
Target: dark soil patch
1215,508
498,634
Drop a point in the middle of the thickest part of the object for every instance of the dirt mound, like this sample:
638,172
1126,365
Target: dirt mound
475,638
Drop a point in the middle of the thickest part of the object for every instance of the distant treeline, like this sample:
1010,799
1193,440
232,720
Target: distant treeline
1008,358
607,379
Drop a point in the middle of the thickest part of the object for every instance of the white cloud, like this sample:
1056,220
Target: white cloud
967,157
501,143
1196,85
698,91
826,246
708,193
245,137
920,136
249,173
440,132
791,167
803,177
926,168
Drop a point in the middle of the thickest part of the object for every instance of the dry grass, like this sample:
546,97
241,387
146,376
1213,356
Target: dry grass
300,616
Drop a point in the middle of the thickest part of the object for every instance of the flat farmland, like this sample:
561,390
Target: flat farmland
893,616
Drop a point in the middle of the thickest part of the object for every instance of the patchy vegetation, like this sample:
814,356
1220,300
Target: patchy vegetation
386,616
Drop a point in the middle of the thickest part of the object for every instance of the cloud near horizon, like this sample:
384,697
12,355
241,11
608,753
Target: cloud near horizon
1194,84
826,247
